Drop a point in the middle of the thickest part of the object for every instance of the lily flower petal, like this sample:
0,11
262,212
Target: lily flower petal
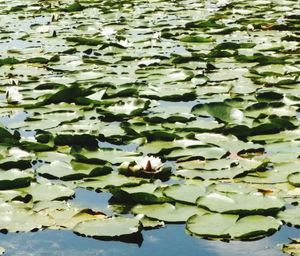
13,95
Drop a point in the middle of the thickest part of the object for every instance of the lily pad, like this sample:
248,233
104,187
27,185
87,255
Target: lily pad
49,192
145,194
64,215
102,156
237,203
71,171
15,178
109,181
226,226
13,216
293,248
290,216
294,179
167,212
110,227
185,193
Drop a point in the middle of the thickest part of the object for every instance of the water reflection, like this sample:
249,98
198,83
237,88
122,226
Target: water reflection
171,240
168,241
263,247
90,199
12,117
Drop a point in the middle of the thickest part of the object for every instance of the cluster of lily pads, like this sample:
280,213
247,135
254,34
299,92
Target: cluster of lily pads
185,111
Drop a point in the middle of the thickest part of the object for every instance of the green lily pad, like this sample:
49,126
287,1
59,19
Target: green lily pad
294,179
64,215
219,169
279,174
110,227
72,171
226,226
85,41
13,216
200,152
237,203
148,223
109,181
159,147
101,156
168,212
74,7
185,193
145,194
196,39
290,216
15,178
49,192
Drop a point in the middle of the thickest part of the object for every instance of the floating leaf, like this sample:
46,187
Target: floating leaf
49,192
168,212
145,194
293,248
294,179
240,203
71,171
226,226
110,180
111,227
290,216
185,193
13,216
101,156
15,179
65,216
74,7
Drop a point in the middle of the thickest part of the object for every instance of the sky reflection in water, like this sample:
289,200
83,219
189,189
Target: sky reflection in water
169,241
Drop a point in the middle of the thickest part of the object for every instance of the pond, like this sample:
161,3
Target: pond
133,127
170,240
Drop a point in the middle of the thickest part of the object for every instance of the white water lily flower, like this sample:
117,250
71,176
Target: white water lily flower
125,108
271,79
18,153
13,95
148,62
14,81
290,45
280,21
222,3
250,27
140,216
55,17
156,35
149,163
108,32
237,115
125,43
43,29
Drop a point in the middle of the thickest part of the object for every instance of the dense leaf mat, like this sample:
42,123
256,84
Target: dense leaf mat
185,111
